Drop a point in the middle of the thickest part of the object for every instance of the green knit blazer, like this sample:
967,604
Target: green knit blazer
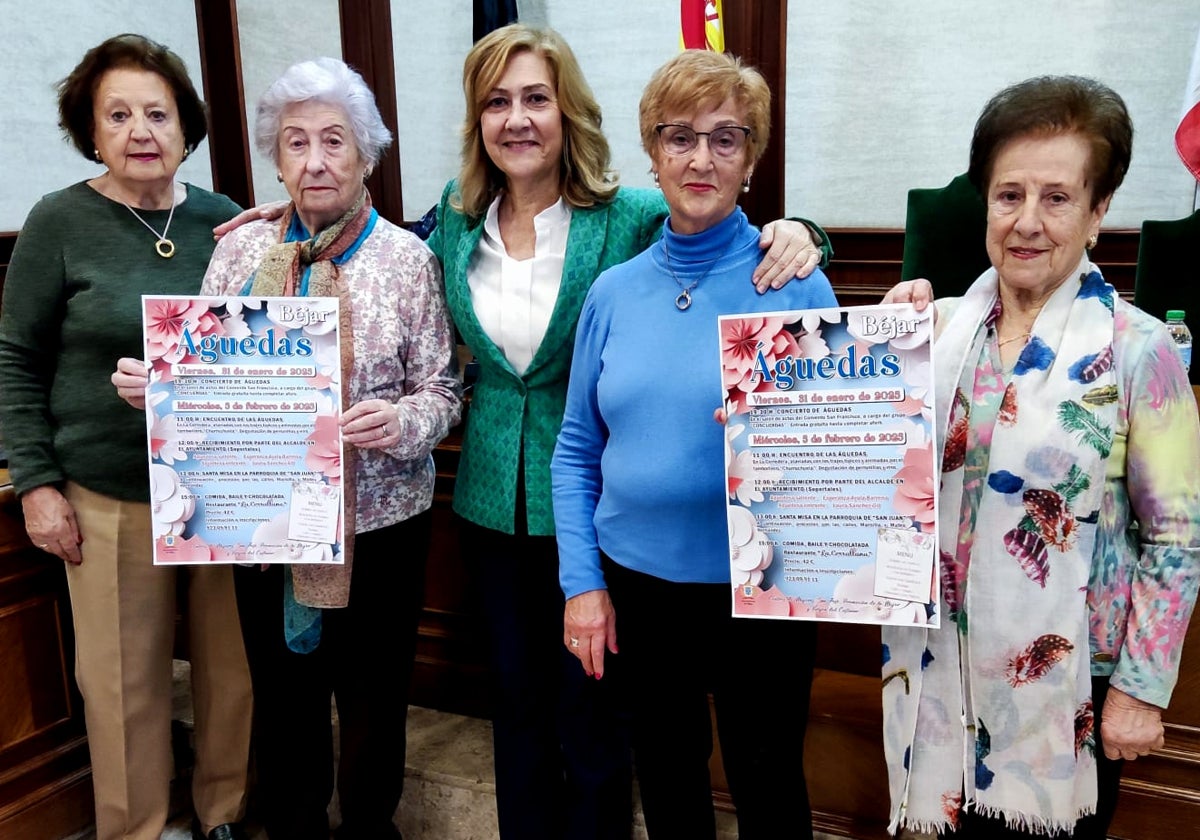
514,420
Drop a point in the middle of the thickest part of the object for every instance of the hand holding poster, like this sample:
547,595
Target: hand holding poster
830,464
242,409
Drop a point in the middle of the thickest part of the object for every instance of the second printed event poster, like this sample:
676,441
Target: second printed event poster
830,464
243,410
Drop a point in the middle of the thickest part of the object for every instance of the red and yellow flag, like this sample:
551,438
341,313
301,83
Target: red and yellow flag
700,26
1187,135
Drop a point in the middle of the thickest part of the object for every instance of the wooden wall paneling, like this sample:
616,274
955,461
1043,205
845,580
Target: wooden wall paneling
756,32
367,47
867,262
366,31
450,671
221,68
45,776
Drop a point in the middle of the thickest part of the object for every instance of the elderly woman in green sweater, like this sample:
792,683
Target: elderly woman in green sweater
77,454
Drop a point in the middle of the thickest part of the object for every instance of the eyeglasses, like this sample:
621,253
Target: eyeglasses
726,141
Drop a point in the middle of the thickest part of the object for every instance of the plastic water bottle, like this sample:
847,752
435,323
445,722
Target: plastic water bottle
1182,335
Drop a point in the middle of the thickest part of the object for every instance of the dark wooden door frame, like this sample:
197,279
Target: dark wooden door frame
367,47
221,69
756,32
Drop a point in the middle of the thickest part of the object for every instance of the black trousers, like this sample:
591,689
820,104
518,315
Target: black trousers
563,768
679,643
1094,827
364,661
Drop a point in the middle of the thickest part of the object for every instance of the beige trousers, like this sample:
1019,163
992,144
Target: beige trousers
124,612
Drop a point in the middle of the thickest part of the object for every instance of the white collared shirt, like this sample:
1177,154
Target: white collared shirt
514,299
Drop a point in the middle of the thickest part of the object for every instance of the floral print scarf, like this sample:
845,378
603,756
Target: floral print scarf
993,712
305,265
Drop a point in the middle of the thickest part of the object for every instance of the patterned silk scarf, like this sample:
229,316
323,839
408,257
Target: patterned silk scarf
993,712
299,265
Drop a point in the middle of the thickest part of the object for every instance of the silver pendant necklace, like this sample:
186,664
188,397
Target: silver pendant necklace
683,300
164,247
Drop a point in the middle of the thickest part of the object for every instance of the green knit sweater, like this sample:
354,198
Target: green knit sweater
71,308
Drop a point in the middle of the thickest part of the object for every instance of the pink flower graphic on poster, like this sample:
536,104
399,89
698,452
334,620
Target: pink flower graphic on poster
164,441
918,397
742,341
235,318
238,305
160,371
749,549
167,319
270,544
324,455
167,443
171,504
915,486
235,326
745,480
326,354
812,323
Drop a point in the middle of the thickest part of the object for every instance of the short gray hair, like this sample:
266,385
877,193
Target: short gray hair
333,82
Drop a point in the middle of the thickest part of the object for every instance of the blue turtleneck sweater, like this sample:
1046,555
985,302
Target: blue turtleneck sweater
638,472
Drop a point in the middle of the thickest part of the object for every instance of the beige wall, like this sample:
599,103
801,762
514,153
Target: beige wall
40,48
275,35
428,54
881,95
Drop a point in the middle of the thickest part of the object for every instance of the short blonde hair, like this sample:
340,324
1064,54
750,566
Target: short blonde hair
699,78
585,171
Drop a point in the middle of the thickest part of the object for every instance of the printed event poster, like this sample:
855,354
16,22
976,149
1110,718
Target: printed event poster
242,413
830,464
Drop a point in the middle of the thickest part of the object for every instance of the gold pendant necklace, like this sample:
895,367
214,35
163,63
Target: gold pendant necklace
164,247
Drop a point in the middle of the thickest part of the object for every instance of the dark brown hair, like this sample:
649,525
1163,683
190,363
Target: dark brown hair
76,91
1051,105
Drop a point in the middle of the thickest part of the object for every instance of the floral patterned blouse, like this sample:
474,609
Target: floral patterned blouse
403,352
1146,564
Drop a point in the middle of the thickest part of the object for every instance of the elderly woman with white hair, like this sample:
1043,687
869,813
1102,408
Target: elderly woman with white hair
347,631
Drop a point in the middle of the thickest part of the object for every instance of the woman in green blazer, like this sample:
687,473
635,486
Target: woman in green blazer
534,216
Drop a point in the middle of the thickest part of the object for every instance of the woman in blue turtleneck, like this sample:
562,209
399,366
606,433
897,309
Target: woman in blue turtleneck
639,500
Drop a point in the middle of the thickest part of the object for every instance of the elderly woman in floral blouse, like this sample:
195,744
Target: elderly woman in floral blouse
347,630
1070,502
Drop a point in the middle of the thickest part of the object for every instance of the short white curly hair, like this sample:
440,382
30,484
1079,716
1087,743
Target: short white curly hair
328,80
